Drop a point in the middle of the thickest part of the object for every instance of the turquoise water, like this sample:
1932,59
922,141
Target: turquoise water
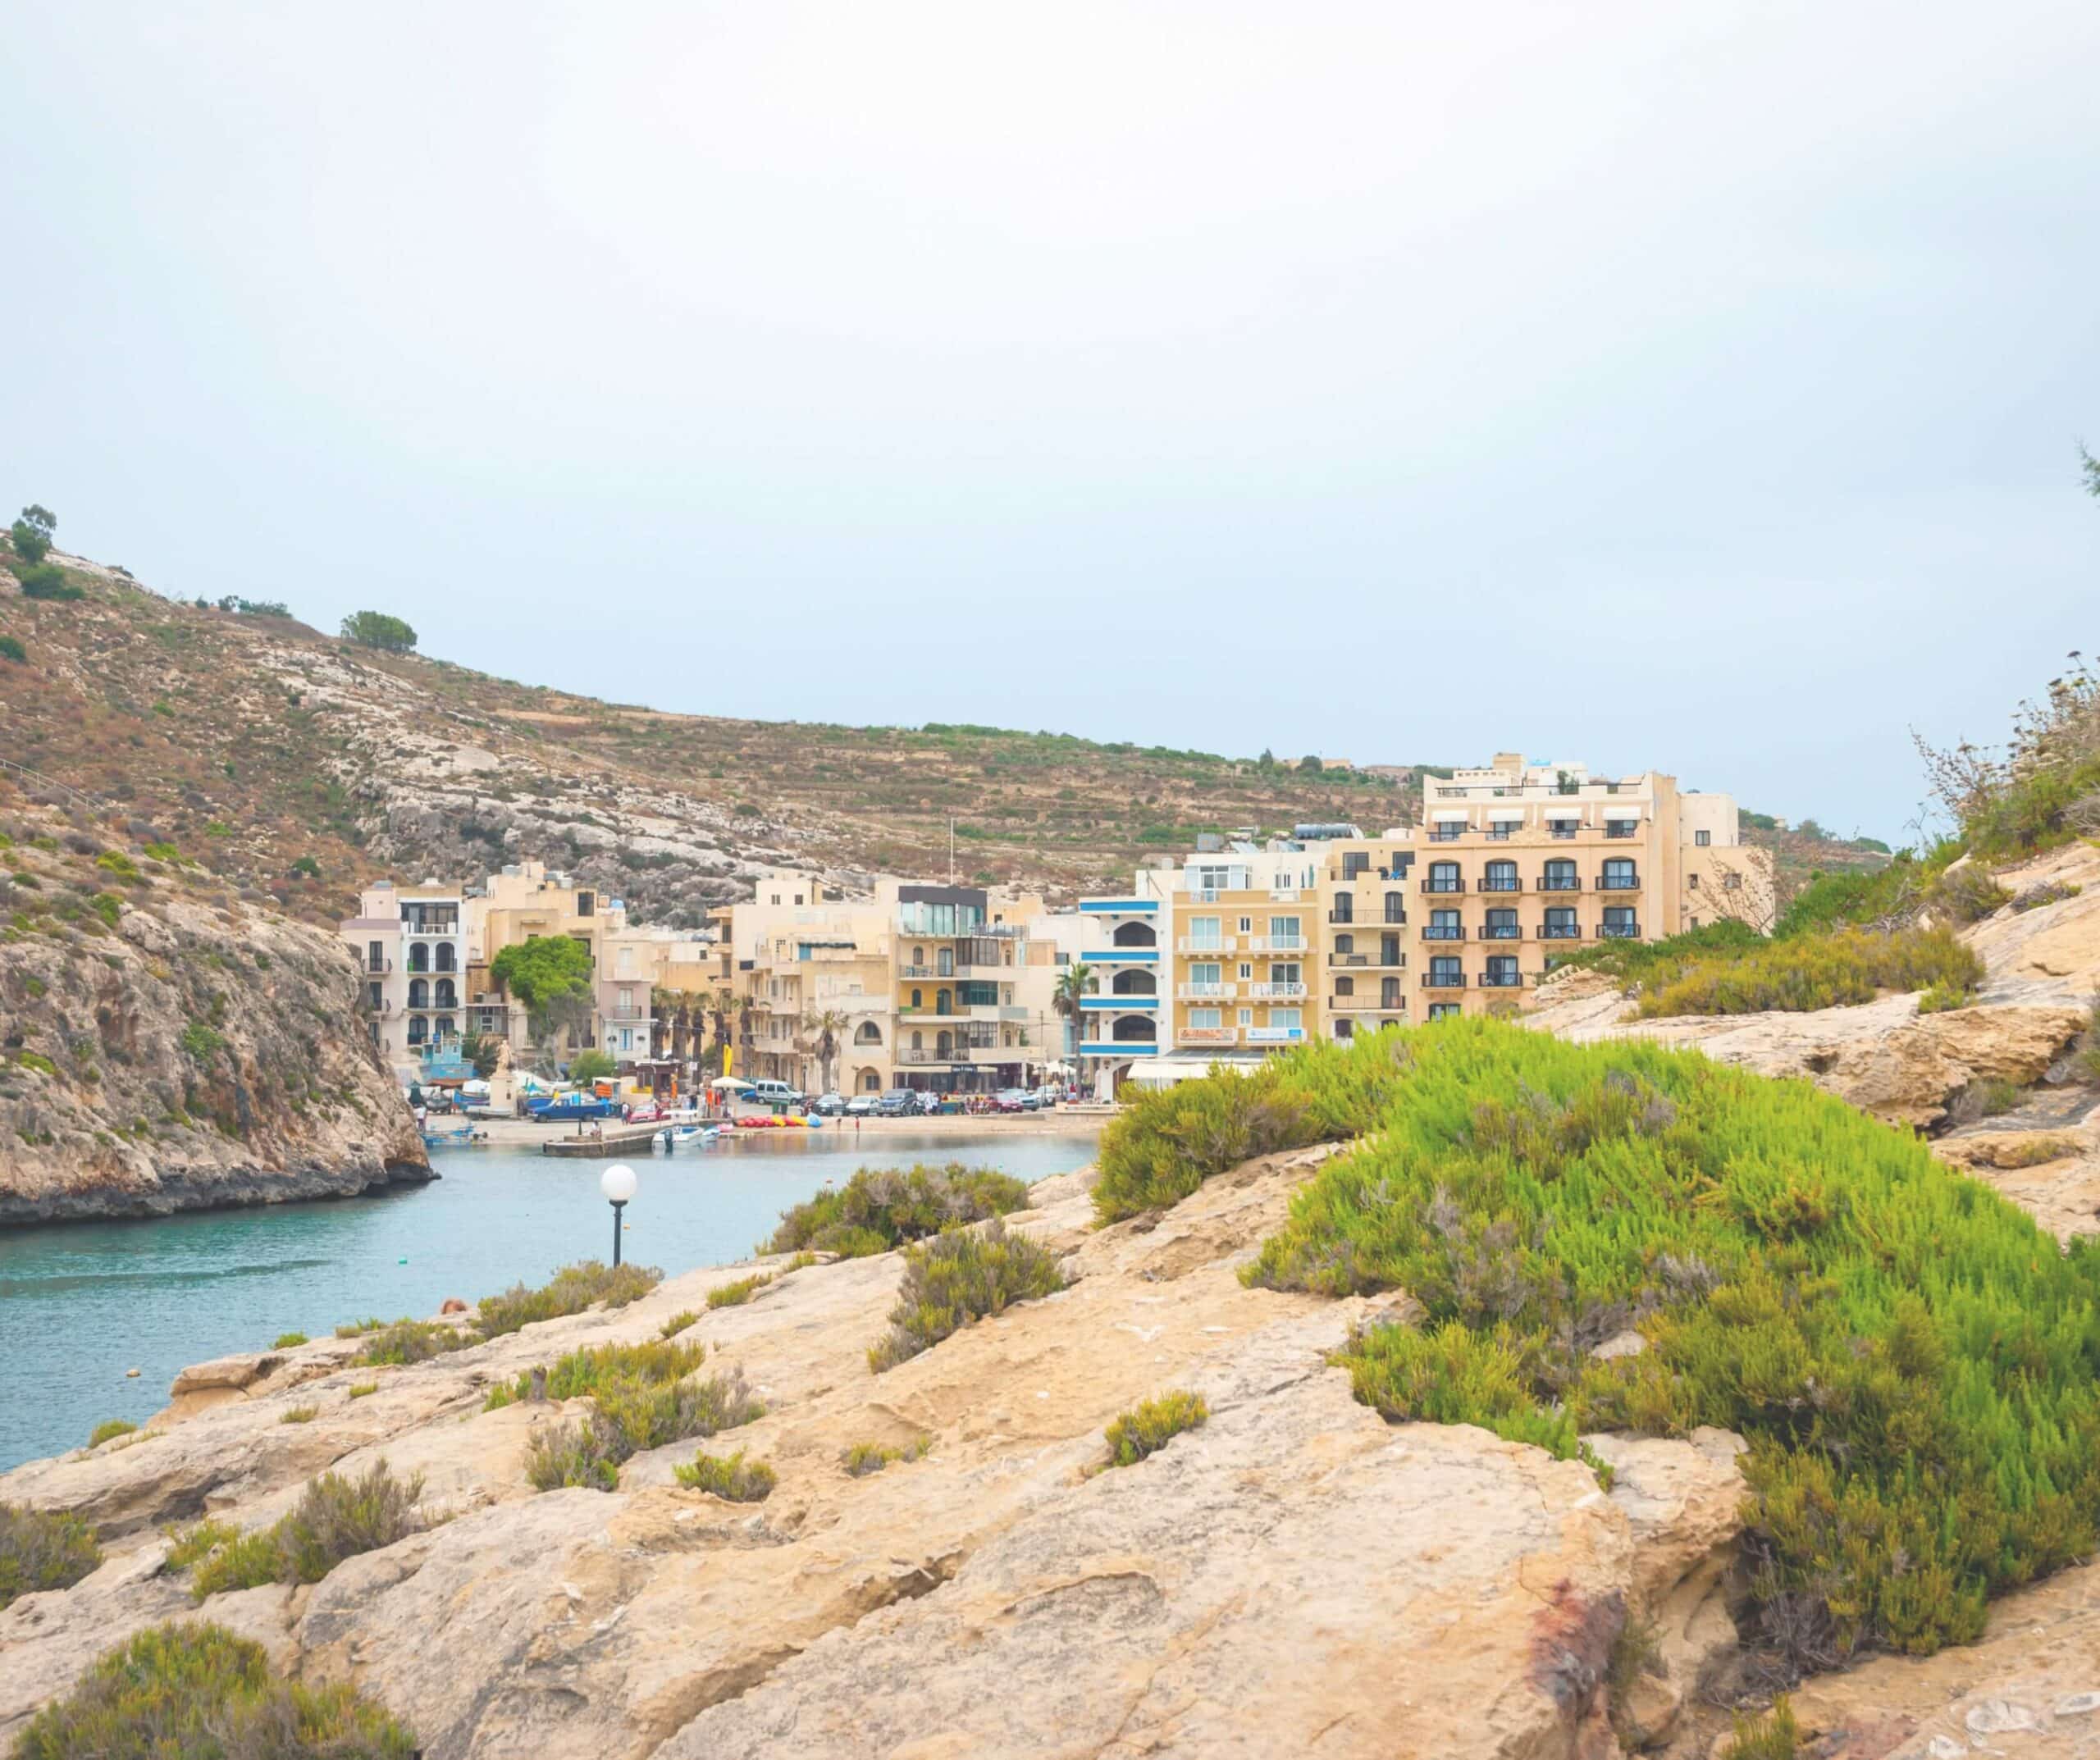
82,1303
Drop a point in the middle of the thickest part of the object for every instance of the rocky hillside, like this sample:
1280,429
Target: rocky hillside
298,765
169,1047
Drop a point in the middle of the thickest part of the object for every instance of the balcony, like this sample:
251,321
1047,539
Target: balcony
1208,1035
1500,883
1366,1004
378,968
1118,1047
1445,833
1606,883
1443,980
1349,959
1120,955
1562,828
1620,931
1276,944
1508,980
1276,993
1500,833
1502,932
1444,885
384,1005
1621,828
1343,918
1195,944
1118,907
1560,931
1561,883
1276,1035
1443,932
1206,992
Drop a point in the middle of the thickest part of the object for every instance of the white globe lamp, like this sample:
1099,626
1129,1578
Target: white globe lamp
617,1182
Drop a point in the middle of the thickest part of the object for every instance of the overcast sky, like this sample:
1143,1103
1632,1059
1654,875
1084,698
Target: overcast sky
1692,385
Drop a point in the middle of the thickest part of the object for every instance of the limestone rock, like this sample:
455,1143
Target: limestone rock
226,1372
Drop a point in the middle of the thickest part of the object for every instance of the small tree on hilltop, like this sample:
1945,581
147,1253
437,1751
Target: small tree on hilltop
376,629
551,974
591,1066
31,534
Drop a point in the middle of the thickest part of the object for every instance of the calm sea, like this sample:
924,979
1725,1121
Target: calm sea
82,1303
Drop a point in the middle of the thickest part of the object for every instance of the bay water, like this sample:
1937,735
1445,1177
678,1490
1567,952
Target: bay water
81,1303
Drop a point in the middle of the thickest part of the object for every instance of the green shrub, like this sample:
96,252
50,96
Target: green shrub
336,1518
288,1341
1149,1426
358,1329
12,649
42,1549
108,1428
729,1477
1939,998
1846,967
959,1276
864,1458
644,1398
411,1341
736,1294
1912,1361
1774,1736
881,1208
677,1322
196,1691
2037,1152
1965,894
1649,963
570,1290
1987,1098
800,1262
363,1389
48,581
1167,1140
299,1415
377,629
2048,892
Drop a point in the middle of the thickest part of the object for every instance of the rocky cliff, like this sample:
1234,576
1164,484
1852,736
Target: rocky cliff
166,1046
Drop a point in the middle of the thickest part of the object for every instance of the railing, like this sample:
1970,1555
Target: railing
624,1016
1564,828
1620,931
1621,828
1206,992
376,967
1444,885
1500,833
1276,993
921,972
1343,917
1283,895
1349,959
79,797
1560,931
1191,944
1446,833
1443,980
1275,1035
1502,932
1103,955
1366,1004
1501,980
1394,914
1208,1035
1276,944
1443,932
384,1005
1499,884
1605,883
1561,883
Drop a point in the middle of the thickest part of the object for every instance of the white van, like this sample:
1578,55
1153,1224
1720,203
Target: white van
777,1095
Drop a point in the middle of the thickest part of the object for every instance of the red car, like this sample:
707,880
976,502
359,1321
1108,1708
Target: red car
648,1112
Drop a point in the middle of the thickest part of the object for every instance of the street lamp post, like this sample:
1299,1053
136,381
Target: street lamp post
618,1184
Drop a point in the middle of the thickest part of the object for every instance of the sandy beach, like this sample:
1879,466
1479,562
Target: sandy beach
1065,1121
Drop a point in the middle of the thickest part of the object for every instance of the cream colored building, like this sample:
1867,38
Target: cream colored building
411,949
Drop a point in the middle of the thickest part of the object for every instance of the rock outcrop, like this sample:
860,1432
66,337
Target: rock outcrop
1295,1576
168,1046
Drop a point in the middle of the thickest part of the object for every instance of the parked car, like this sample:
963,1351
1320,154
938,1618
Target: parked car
562,1109
1014,1100
829,1105
779,1095
645,1112
899,1103
863,1106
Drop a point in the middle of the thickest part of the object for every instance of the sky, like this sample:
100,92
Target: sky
1693,387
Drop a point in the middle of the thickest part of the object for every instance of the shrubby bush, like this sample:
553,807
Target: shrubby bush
863,1458
569,1291
880,1208
1821,971
644,1398
196,1691
735,1294
1911,1359
46,581
956,1278
336,1518
412,1341
42,1549
110,1428
729,1477
1149,1426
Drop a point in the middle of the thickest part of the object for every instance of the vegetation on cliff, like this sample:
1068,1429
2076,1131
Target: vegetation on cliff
644,1396
196,1691
1911,1359
336,1517
880,1208
1150,1424
42,1549
963,1276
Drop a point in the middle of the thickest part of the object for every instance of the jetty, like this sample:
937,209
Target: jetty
629,1139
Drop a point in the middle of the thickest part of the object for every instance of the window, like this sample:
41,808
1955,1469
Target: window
1206,972
1501,926
1443,878
1444,971
918,998
1292,1019
1284,932
1560,877
1344,945
1444,1010
587,902
1246,970
1731,882
1203,932
1246,1017
1246,925
1560,924
1344,1029
1344,987
1286,972
1344,910
1619,923
375,958
1619,876
1396,907
1354,862
1206,1017
944,963
1140,934
1389,995
1443,926
1132,984
1692,881
1502,972
1501,877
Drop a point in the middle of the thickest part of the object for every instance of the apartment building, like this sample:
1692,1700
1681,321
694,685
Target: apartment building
1516,862
1215,958
410,946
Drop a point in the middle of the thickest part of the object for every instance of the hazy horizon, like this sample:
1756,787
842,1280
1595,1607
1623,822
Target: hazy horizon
1697,390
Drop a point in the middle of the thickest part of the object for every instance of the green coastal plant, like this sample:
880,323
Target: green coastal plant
42,1549
1147,1427
336,1517
677,1322
1824,971
408,1341
645,1396
1774,1736
196,1691
1915,1364
729,1477
735,1294
299,1415
880,1208
863,1458
964,1275
108,1430
570,1290
288,1341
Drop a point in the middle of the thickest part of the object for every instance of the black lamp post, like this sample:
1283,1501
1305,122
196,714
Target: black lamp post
617,1182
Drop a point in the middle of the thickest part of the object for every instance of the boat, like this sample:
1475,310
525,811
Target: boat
436,1139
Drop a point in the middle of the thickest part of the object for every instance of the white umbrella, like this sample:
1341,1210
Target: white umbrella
727,1082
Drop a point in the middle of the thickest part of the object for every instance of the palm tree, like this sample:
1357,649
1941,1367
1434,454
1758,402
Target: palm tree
825,1026
721,1004
1066,999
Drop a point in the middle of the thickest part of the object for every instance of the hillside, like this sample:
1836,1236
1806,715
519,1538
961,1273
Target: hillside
169,1047
258,744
